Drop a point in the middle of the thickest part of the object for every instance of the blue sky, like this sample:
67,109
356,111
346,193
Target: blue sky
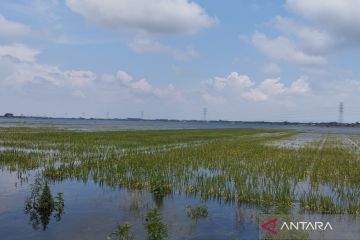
291,60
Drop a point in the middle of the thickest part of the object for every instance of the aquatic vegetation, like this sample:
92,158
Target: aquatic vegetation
45,205
160,190
123,232
41,204
59,206
252,166
197,212
155,228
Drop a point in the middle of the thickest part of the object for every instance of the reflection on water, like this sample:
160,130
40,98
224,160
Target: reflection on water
197,212
40,205
94,212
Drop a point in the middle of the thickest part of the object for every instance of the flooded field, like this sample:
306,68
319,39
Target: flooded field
170,184
142,124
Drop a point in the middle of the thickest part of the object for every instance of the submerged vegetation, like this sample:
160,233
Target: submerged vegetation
156,229
253,166
41,204
154,226
123,232
197,212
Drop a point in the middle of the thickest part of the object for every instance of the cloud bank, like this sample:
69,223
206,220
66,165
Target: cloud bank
156,16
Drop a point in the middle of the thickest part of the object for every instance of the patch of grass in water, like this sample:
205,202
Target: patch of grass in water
197,212
123,232
155,228
41,204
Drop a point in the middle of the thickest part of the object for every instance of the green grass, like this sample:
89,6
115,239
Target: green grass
155,228
197,212
232,165
123,232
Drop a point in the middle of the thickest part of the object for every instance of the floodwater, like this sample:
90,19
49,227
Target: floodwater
92,212
299,140
114,124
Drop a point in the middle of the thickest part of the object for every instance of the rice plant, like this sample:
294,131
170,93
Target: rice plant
197,212
155,228
40,205
123,232
263,168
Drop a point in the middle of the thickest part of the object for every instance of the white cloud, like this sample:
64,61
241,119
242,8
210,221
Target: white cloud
272,86
80,78
18,51
234,81
19,67
330,25
281,48
266,89
255,95
124,76
310,39
235,86
17,74
271,69
120,76
169,92
300,86
340,17
143,44
12,29
142,86
156,16
213,99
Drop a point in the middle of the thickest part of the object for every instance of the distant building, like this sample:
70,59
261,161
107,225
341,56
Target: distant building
9,115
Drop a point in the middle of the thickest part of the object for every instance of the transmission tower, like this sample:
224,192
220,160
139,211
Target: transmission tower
341,112
205,113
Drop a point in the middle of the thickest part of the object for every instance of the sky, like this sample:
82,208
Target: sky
247,60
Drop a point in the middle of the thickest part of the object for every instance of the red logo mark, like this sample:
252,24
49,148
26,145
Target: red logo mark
273,223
